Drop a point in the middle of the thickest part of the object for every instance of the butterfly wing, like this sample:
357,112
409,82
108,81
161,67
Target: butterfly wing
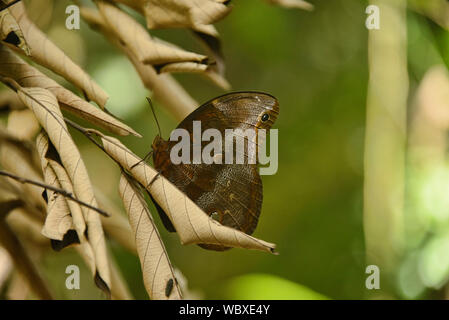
231,193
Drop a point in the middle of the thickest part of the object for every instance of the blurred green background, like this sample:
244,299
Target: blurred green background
316,64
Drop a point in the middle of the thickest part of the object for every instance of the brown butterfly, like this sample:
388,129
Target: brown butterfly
230,193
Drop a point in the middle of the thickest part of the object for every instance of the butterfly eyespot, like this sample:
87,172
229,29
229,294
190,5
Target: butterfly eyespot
265,117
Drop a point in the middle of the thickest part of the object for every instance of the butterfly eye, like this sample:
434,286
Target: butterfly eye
265,117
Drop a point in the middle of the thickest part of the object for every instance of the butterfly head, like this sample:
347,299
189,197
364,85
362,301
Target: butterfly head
248,109
158,143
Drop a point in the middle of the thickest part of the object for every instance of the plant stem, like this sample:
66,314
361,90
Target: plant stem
385,137
54,189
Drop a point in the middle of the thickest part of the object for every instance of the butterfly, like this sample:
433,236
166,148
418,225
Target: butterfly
228,192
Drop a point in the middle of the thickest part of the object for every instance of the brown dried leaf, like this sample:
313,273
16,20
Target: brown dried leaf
18,288
10,32
5,266
116,226
209,39
59,220
170,52
137,5
198,15
50,160
17,159
158,276
146,48
11,189
164,56
45,107
76,216
216,78
213,47
10,101
23,124
23,261
181,67
208,71
298,4
13,67
191,223
26,227
4,4
119,289
47,54
164,87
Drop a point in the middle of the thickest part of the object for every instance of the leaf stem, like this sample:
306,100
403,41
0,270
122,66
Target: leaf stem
54,189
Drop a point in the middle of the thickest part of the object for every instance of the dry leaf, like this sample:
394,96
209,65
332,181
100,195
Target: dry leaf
298,4
10,32
21,129
158,276
18,288
116,226
27,227
13,67
23,124
213,47
45,107
6,3
182,67
208,71
50,161
187,293
191,223
147,49
59,220
119,288
22,261
164,56
5,135
216,78
77,219
5,266
9,100
165,89
198,15
17,159
167,52
47,54
13,189
209,39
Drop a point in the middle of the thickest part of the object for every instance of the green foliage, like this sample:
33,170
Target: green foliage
259,286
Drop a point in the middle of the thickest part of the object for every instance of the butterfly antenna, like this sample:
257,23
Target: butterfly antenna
154,114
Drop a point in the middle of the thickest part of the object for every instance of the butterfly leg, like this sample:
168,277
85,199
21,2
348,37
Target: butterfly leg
144,159
154,179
